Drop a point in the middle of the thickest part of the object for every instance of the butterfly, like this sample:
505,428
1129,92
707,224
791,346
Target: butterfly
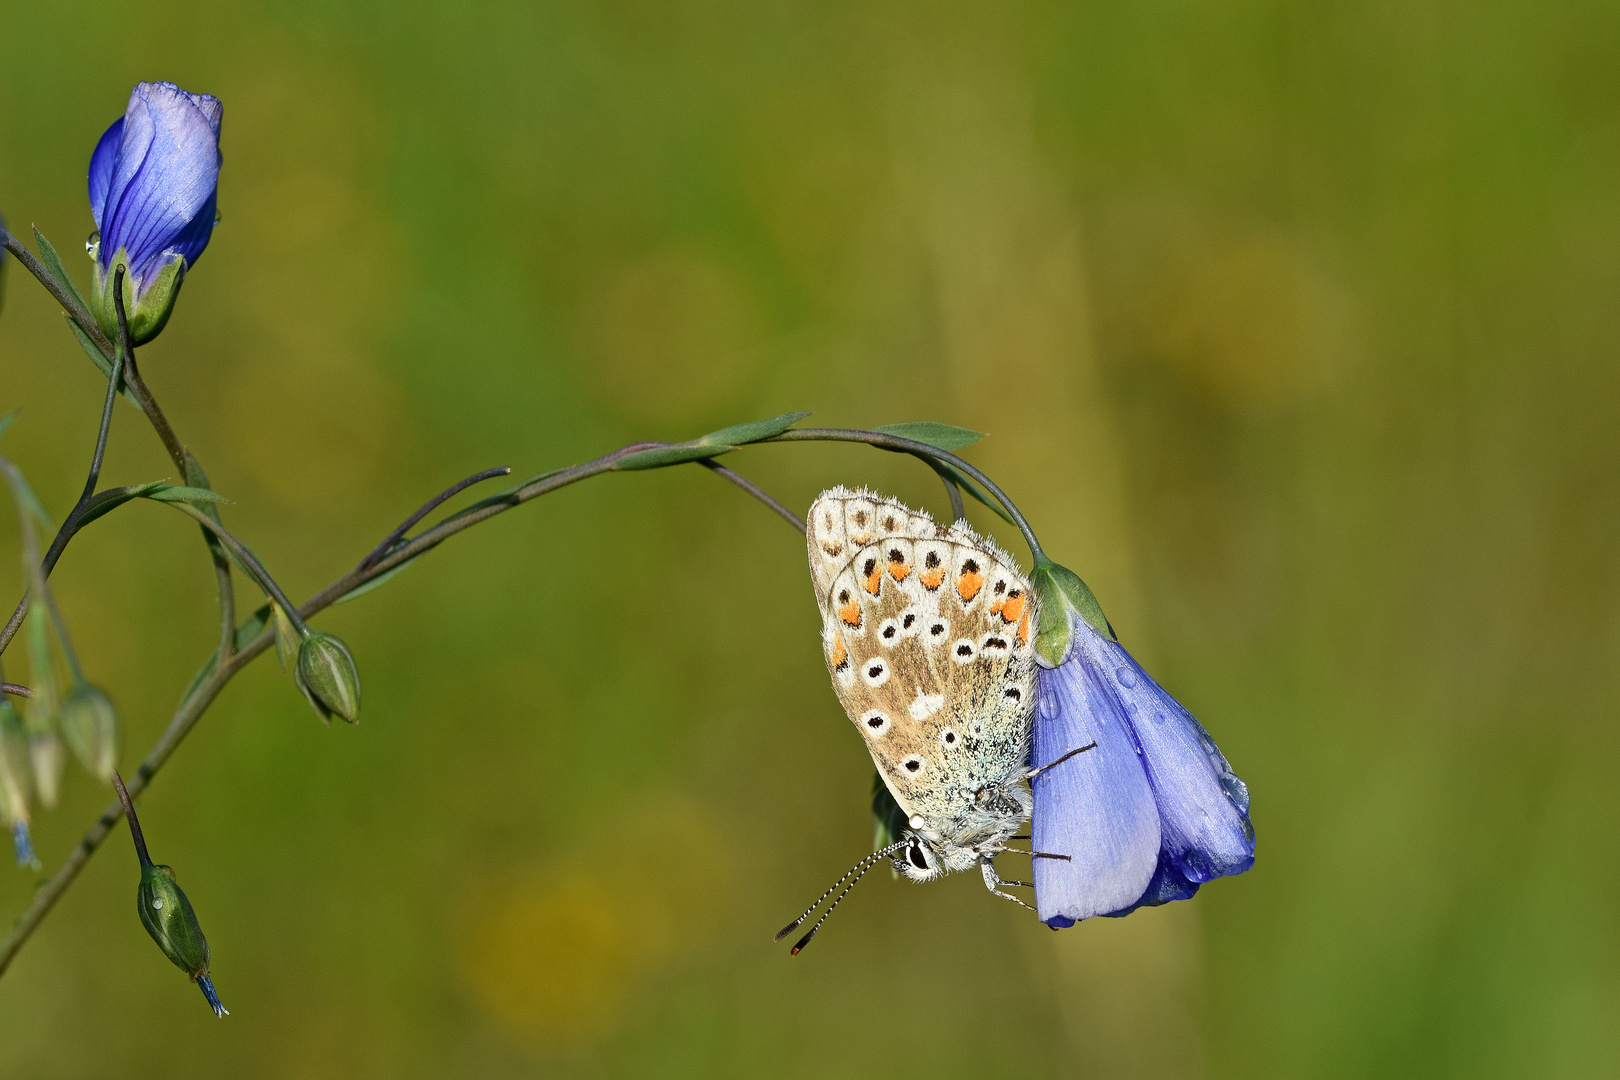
928,633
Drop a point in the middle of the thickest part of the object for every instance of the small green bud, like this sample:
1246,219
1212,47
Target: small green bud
148,312
45,751
1063,596
15,782
327,676
167,916
90,727
16,777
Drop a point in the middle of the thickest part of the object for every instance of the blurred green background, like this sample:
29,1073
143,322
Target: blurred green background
1295,329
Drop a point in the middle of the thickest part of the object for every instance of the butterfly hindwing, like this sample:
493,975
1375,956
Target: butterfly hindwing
927,633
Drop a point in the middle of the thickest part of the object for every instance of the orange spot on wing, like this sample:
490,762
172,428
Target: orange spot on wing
933,578
899,571
1012,609
1023,630
968,586
840,654
874,580
850,613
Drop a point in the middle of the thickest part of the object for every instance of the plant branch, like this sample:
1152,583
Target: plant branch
70,305
787,515
15,690
428,507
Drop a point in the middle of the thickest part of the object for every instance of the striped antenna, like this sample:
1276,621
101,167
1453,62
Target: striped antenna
856,871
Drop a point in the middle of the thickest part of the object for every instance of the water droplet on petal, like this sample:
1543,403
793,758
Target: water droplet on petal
157,902
92,243
1126,677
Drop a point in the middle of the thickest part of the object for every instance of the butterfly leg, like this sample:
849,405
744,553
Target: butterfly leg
992,881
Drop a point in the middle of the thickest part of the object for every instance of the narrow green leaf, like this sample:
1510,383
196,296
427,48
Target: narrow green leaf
362,589
253,627
943,436
195,477
53,265
30,501
175,493
107,501
659,456
5,421
741,434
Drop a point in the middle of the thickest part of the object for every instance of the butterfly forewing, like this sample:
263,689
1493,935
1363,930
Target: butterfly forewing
927,633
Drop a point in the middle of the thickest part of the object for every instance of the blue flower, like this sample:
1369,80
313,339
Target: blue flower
153,182
1149,814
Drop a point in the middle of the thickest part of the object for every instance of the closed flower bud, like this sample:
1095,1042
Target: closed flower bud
90,727
153,182
327,676
167,916
1063,598
15,781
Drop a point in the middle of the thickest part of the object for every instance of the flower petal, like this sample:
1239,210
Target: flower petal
165,172
101,167
1203,806
1096,807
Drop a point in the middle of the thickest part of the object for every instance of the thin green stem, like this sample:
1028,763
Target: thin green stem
248,561
91,329
922,450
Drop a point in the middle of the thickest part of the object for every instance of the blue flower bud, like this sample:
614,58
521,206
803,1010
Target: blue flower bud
153,186
90,727
326,674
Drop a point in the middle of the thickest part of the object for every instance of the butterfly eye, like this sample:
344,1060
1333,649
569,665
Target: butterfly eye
914,853
876,672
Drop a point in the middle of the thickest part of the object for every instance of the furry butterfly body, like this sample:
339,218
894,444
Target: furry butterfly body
928,633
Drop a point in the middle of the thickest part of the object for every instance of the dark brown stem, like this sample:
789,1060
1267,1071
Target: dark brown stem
15,690
428,507
134,822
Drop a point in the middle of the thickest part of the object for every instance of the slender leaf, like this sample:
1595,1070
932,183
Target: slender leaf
175,493
26,496
659,456
741,434
53,265
5,421
943,436
365,587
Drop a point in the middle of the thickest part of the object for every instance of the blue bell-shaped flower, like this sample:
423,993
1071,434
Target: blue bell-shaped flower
1153,810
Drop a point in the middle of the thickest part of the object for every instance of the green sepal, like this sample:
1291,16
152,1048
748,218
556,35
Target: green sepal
941,436
1063,595
659,456
742,434
286,636
168,917
90,728
147,313
325,672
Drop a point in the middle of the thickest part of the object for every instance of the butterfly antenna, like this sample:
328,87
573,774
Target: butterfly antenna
802,942
856,870
1033,773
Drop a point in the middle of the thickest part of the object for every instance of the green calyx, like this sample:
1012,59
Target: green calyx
90,728
167,916
325,672
147,312
1063,596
